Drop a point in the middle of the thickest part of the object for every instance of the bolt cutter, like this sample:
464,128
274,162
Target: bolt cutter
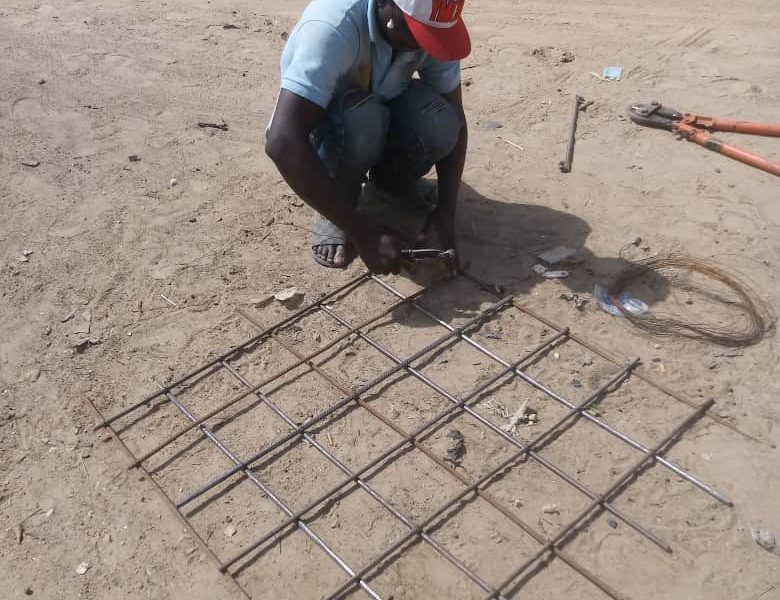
695,129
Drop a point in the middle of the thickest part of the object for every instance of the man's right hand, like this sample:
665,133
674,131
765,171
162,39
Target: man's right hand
381,251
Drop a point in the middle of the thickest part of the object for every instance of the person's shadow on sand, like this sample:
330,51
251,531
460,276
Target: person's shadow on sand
499,242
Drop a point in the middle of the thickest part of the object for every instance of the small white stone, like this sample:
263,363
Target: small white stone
550,509
173,182
288,295
766,539
230,531
82,568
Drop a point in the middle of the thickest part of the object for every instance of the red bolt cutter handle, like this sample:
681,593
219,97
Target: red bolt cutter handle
702,138
748,127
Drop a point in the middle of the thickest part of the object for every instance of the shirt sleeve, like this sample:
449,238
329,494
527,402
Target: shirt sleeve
314,61
442,76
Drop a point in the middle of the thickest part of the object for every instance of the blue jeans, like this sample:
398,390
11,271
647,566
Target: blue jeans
395,144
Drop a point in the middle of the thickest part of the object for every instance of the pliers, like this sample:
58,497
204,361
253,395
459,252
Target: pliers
427,253
694,128
418,255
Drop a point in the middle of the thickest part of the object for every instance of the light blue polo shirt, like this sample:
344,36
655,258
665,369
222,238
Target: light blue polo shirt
337,46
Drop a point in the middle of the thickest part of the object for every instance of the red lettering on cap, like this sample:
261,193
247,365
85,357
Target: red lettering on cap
446,11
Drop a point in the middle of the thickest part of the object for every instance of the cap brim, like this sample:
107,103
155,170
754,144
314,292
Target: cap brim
452,43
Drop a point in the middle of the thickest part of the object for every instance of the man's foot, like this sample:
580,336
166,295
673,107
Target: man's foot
335,256
329,245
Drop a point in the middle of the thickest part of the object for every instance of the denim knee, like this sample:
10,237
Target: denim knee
434,120
365,130
353,137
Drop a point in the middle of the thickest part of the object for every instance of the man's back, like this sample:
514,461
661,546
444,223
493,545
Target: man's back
337,45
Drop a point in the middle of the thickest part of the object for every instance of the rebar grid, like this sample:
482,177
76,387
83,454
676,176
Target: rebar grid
599,351
351,397
352,477
630,473
238,397
280,503
558,398
513,441
423,430
147,476
356,281
408,438
550,545
359,478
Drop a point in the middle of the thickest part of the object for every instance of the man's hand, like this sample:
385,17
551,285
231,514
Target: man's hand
381,251
442,227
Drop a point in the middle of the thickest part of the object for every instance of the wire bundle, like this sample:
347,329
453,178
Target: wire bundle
675,269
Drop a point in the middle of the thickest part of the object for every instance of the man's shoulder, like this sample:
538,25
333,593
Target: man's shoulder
324,46
346,16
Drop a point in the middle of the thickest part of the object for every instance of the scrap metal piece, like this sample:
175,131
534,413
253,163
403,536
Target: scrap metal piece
566,163
457,451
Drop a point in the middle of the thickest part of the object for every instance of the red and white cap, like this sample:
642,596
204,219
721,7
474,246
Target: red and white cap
437,26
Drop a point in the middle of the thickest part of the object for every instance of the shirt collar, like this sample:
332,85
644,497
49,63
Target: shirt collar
373,27
375,34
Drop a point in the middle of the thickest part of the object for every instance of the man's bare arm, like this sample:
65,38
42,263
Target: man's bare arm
449,172
288,145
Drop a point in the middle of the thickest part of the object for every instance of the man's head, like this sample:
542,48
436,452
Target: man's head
434,26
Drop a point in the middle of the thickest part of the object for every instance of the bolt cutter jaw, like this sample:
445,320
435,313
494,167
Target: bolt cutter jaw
654,114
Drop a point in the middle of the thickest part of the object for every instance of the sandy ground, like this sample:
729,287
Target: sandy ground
87,84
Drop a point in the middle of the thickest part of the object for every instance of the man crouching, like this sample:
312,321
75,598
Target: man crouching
350,111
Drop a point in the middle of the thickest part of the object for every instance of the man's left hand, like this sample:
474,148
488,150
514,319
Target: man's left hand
442,228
